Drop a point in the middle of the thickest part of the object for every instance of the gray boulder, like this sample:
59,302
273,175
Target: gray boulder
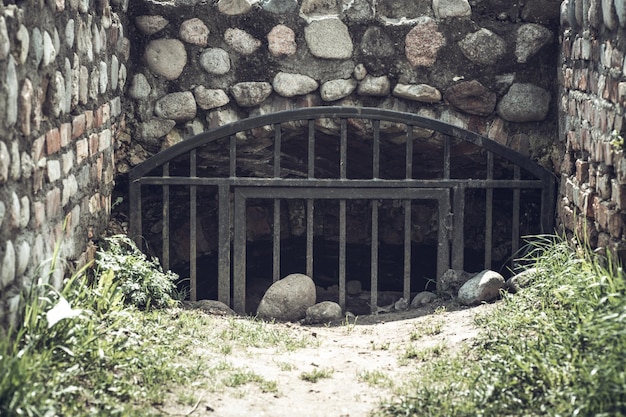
524,103
423,298
324,312
288,298
449,283
521,280
482,287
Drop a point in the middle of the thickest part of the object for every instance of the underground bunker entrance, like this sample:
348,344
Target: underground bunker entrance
326,242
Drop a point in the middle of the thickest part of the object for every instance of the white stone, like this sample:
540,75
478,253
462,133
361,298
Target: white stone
69,33
215,61
530,39
104,78
337,89
7,272
374,86
5,163
23,256
115,72
483,287
417,92
329,38
23,38
139,88
54,170
179,106
12,93
288,299
5,42
166,57
291,85
2,212
16,168
37,44
241,41
210,98
451,8
16,211
49,53
24,211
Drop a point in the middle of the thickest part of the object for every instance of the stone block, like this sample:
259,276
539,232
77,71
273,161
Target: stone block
53,203
582,171
53,141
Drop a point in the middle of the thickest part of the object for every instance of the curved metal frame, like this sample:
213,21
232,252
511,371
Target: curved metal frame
545,180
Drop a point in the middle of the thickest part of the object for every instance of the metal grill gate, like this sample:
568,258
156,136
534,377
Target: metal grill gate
234,188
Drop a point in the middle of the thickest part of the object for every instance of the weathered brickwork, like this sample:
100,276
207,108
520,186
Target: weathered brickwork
593,83
62,76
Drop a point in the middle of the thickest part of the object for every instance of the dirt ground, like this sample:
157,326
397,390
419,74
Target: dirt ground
373,346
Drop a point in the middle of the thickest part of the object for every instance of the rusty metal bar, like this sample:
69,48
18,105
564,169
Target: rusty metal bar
443,250
232,146
446,157
458,238
342,254
516,209
343,150
223,254
374,259
311,153
239,254
193,205
489,213
277,143
326,182
309,237
409,152
165,230
376,150
406,290
276,242
135,223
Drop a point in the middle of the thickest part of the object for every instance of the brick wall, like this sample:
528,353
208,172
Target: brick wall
593,90
62,73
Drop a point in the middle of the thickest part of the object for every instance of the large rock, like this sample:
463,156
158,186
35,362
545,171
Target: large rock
417,92
166,57
180,106
530,39
248,94
215,61
291,85
449,283
329,38
524,103
471,97
423,298
451,8
423,42
324,312
288,299
483,47
482,287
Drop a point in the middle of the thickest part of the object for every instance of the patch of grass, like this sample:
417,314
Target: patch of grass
285,366
251,332
556,348
317,374
375,379
380,346
412,352
428,328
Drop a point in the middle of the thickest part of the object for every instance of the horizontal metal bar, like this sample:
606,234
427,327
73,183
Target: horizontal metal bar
295,182
342,193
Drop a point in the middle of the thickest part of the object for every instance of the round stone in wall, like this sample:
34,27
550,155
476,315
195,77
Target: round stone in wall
279,6
471,97
215,61
7,272
530,39
609,14
620,10
210,98
194,31
281,41
451,8
423,42
241,41
291,85
337,89
483,47
374,86
139,88
377,43
248,94
151,24
166,57
524,103
417,92
180,106
329,38
235,7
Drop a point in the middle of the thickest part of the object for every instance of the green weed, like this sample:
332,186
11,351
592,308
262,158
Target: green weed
316,374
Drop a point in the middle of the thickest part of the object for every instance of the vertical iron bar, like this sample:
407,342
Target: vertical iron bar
309,203
458,238
276,235
277,140
239,255
409,152
376,150
489,213
233,156
407,250
343,151
443,251
446,158
192,229
342,254
309,237
276,238
165,231
516,210
311,160
223,274
374,258
135,226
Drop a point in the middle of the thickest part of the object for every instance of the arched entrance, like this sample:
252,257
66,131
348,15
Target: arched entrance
340,159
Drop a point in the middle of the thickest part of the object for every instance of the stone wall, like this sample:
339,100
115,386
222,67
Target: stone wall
593,80
488,66
62,75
